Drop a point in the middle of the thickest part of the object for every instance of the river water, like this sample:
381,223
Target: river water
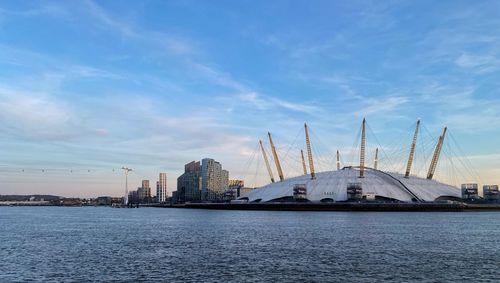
54,244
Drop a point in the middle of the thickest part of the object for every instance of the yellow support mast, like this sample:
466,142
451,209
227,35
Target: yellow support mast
266,161
435,157
275,157
309,152
338,160
412,150
362,151
375,163
303,162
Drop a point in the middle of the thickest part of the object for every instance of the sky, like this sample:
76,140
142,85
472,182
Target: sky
87,87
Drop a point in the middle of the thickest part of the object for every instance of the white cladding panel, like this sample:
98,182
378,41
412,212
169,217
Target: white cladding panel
333,184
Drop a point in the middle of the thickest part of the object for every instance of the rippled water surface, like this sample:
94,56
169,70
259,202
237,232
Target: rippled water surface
154,244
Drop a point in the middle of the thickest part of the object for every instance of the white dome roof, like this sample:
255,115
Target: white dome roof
333,185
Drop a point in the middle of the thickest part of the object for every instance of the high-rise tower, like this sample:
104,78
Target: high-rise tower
161,188
214,180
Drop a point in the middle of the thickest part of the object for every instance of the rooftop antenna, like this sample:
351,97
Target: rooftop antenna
125,199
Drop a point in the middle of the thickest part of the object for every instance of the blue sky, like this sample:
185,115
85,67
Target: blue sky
96,85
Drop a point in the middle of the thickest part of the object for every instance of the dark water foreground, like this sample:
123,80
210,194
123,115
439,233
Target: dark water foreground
54,244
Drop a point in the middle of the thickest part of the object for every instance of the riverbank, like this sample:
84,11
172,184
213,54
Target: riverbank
340,206
26,203
346,206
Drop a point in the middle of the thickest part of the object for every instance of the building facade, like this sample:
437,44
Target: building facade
161,188
470,191
133,197
189,183
144,192
225,180
236,183
214,180
234,189
145,183
490,192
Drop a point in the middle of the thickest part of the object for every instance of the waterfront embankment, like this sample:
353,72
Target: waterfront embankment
417,207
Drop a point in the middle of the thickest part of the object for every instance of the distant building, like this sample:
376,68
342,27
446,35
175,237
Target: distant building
470,191
157,192
236,189
133,197
354,191
174,198
144,192
244,191
230,194
189,183
103,200
225,180
490,192
116,200
145,184
236,183
214,180
161,188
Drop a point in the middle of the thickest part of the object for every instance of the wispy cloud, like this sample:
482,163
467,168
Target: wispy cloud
218,77
382,105
108,21
87,71
173,43
33,115
249,96
265,103
46,9
33,62
479,63
456,105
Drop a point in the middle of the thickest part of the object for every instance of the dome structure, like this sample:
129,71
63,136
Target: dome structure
377,184
354,183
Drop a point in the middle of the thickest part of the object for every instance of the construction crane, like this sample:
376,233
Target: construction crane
266,161
303,162
338,160
275,157
362,151
127,170
435,157
375,163
412,150
309,152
